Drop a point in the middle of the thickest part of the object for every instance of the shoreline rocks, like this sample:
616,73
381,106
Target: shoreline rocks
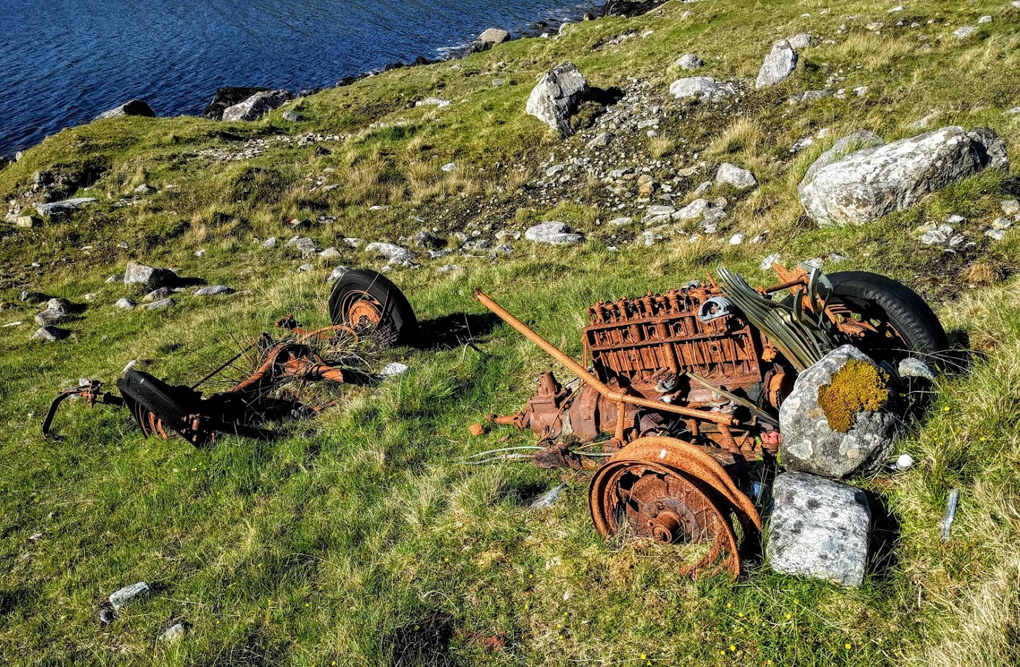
132,108
257,106
228,96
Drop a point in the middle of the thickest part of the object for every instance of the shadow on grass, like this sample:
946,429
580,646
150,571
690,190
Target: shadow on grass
885,534
425,641
451,331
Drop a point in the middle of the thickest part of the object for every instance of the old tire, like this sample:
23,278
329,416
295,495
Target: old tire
368,302
876,296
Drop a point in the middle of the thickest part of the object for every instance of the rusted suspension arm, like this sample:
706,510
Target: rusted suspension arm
578,370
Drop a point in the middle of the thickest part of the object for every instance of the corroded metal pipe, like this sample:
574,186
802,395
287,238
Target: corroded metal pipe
577,369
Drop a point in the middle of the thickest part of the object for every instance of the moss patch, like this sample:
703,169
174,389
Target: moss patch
857,387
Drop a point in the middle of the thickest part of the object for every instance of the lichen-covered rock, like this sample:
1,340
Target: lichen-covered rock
778,65
857,141
703,88
819,528
873,182
64,207
556,97
837,421
690,61
257,105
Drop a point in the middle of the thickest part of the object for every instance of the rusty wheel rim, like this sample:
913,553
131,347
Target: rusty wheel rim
361,311
667,506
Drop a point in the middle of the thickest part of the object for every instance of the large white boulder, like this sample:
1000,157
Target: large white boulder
872,182
778,65
703,88
556,97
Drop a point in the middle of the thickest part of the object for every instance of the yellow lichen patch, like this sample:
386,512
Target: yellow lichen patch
857,387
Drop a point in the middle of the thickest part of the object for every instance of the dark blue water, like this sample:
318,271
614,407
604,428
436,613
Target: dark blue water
62,62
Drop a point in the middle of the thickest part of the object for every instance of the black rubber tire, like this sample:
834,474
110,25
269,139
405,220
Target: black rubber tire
903,308
171,405
398,323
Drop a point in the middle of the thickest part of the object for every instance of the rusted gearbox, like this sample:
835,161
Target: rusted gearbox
162,409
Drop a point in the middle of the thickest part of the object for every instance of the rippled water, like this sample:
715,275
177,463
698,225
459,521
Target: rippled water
62,62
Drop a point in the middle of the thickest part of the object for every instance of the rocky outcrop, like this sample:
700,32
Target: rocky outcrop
819,528
556,97
63,207
873,182
779,64
703,88
132,108
228,96
838,421
257,106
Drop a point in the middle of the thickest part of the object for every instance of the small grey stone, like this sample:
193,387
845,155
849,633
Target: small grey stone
731,174
305,268
553,233
433,102
51,334
964,32
819,528
330,253
1011,207
63,207
213,290
555,169
601,140
393,253
984,19
447,268
498,83
996,234
270,242
128,594
157,294
704,88
503,249
305,245
144,189
149,277
690,61
1002,224
620,222
801,41
51,316
426,239
159,305
449,166
115,278
292,116
778,65
106,615
393,370
126,304
338,272
912,367
27,221
173,633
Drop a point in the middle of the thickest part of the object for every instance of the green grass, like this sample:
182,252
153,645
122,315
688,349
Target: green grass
357,537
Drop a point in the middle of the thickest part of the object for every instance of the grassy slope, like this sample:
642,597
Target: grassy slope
357,538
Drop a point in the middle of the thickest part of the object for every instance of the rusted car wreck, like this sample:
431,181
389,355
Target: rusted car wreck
684,390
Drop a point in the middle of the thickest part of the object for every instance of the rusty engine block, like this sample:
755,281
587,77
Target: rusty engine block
687,347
